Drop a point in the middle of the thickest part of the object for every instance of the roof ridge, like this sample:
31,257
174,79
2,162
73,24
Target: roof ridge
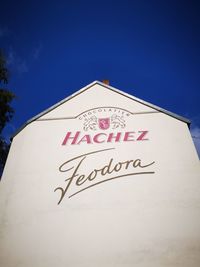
110,88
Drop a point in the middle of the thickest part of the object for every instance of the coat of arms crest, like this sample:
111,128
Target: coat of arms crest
104,123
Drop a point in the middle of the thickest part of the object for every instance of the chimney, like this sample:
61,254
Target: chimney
106,82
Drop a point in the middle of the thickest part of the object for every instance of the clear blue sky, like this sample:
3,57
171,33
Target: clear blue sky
150,49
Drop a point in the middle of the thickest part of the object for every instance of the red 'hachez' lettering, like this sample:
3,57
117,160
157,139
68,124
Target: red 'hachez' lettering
99,138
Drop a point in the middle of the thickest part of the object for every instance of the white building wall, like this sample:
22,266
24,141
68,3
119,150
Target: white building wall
136,220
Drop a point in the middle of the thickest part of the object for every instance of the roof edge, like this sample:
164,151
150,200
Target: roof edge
110,88
53,107
176,116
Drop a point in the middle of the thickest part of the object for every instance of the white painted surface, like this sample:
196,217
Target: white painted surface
144,220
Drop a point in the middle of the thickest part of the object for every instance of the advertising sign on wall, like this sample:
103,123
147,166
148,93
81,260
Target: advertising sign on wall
101,179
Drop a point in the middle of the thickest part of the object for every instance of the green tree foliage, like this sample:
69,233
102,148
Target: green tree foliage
6,111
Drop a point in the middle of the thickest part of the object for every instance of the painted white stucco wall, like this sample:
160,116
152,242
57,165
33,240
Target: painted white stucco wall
146,216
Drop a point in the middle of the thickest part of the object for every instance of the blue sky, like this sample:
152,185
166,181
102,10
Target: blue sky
149,49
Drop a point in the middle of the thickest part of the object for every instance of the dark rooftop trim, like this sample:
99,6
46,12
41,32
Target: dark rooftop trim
110,88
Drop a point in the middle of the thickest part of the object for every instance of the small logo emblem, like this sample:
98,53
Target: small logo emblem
104,123
104,118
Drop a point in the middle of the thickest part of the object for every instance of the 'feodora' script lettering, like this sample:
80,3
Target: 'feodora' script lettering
77,138
112,170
